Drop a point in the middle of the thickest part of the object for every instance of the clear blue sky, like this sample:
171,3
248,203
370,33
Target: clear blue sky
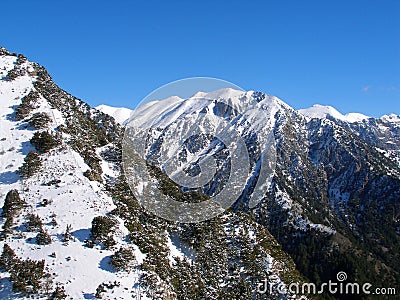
344,53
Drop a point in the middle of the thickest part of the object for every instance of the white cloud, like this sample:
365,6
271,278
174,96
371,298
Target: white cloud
366,88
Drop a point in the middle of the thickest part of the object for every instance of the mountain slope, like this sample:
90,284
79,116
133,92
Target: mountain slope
59,194
69,220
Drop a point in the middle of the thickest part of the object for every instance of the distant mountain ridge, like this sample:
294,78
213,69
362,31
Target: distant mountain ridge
318,111
120,114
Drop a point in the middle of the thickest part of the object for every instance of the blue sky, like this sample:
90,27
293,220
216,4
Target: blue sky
340,53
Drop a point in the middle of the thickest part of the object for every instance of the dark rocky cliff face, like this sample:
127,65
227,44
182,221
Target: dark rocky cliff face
337,177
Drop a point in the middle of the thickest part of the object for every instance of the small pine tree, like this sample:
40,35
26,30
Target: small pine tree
43,238
32,165
67,235
7,227
109,242
53,222
12,204
33,222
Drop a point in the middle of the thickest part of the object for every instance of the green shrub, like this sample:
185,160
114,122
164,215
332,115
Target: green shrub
39,120
44,141
12,204
99,290
21,59
27,273
27,105
170,188
32,165
90,158
102,227
15,72
7,258
123,260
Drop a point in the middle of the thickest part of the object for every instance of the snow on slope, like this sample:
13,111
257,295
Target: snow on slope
146,113
321,112
120,114
164,112
73,201
13,138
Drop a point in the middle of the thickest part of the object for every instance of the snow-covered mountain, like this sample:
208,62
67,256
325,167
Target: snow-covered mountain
329,168
320,112
71,226
120,114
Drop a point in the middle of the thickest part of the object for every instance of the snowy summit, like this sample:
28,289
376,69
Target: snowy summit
120,114
321,112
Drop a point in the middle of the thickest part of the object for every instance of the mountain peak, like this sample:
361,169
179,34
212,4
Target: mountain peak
392,118
120,114
321,112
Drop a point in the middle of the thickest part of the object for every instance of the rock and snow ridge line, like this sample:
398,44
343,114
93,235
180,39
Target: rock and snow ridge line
321,112
121,114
